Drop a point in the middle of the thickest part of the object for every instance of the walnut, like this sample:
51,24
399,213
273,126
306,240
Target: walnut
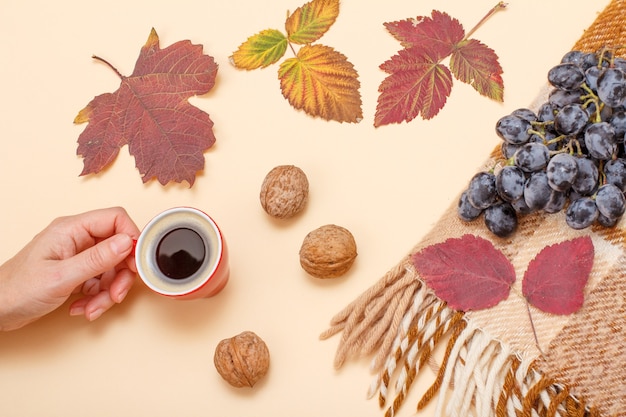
328,251
284,192
242,360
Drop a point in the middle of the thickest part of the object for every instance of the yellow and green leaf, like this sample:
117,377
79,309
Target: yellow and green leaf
260,50
309,22
323,83
474,63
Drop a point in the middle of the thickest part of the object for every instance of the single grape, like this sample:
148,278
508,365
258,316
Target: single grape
615,173
591,77
513,129
566,76
481,192
589,59
561,98
520,206
501,219
526,114
556,202
508,150
612,87
466,210
610,201
510,183
606,221
545,113
587,176
618,122
600,141
561,171
581,213
537,191
532,157
574,57
571,119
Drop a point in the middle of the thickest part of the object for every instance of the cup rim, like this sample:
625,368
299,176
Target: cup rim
163,223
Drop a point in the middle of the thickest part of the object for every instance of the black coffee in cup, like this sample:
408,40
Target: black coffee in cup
181,253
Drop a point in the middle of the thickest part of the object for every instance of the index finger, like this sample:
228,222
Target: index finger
106,222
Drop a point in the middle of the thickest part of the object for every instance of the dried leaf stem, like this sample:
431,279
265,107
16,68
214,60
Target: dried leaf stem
500,6
96,57
532,326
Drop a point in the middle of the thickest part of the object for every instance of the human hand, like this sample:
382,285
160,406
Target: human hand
89,253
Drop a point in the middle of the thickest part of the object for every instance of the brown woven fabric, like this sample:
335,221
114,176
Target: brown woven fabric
609,29
589,354
492,362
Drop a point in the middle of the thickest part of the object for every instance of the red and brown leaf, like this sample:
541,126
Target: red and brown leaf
439,32
469,273
476,64
555,279
417,85
151,114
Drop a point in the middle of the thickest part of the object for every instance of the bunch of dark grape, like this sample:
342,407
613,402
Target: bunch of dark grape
568,155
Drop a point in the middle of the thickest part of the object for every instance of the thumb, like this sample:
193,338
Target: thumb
102,257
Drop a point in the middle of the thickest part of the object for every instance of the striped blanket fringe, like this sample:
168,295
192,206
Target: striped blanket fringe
401,322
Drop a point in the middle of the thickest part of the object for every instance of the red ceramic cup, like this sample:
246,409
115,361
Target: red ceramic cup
181,253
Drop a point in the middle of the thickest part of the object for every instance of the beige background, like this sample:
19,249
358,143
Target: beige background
152,356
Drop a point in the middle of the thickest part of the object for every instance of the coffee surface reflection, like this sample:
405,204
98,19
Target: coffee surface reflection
180,253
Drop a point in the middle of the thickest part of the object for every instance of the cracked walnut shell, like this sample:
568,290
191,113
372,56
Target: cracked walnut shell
328,251
284,192
242,360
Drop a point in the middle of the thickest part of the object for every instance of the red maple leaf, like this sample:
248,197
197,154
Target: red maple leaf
555,279
469,273
419,83
151,114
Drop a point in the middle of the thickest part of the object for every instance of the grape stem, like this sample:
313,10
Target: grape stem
500,6
592,97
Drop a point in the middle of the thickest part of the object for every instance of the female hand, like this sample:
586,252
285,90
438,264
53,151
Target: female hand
90,253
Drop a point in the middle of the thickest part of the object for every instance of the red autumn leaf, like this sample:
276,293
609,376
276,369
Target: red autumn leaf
476,64
151,114
440,32
418,84
555,279
469,273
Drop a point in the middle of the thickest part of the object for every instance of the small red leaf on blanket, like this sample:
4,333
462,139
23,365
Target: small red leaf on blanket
555,280
469,273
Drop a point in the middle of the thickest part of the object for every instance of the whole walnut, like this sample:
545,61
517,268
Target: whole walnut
284,192
328,251
242,360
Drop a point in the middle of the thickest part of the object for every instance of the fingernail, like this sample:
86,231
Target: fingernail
122,295
121,243
95,314
77,311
